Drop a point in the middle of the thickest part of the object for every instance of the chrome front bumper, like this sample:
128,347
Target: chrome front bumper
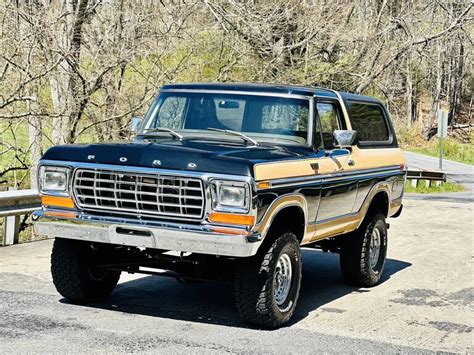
203,239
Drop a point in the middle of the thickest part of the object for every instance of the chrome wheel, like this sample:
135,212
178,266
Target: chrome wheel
375,242
282,279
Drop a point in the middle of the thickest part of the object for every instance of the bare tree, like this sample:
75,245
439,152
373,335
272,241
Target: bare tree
77,70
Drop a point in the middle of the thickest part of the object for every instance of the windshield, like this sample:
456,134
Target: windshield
264,118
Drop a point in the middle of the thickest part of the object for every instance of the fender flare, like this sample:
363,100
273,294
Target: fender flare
380,187
279,204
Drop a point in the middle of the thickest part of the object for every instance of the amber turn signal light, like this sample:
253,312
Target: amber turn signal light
56,201
229,231
230,218
61,214
264,185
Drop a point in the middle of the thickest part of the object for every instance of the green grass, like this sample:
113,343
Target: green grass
452,150
17,137
423,189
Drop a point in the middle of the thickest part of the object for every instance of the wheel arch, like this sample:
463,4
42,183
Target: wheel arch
290,210
378,197
380,201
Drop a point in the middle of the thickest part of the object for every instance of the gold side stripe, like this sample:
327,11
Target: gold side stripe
323,178
363,159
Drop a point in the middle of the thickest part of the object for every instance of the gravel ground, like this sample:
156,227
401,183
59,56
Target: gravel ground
424,303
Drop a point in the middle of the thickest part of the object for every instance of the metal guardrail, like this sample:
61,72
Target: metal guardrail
13,204
428,176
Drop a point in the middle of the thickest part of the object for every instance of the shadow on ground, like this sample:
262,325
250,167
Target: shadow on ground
213,303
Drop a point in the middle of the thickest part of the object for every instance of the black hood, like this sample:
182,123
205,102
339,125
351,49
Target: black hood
212,157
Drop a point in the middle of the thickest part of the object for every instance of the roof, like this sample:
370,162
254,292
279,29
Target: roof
270,88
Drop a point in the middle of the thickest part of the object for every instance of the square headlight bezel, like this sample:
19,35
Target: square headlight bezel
43,169
217,205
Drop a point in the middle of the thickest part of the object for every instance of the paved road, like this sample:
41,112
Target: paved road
457,172
424,303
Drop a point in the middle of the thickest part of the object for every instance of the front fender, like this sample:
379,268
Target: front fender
280,203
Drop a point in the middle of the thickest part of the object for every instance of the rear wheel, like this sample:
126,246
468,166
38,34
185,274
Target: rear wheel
363,253
267,286
75,272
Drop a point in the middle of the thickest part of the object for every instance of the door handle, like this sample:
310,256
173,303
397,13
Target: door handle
351,162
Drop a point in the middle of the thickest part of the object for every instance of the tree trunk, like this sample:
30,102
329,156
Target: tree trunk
35,132
409,93
65,86
35,138
457,77
428,126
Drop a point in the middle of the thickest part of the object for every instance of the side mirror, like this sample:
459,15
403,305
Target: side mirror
135,123
344,138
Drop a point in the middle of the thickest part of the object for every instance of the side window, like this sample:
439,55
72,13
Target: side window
328,122
171,113
369,122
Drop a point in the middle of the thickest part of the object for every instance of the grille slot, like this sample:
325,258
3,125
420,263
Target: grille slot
150,195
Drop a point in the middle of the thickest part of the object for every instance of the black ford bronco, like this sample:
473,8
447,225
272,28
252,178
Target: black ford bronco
227,182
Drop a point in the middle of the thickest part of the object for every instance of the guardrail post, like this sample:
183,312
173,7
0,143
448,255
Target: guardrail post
427,177
11,228
14,204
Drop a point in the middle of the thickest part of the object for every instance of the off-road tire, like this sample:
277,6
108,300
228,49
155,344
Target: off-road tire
74,274
254,283
355,252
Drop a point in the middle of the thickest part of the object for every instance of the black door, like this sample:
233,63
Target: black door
339,189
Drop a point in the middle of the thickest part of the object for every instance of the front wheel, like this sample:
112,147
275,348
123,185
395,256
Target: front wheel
363,253
267,286
75,275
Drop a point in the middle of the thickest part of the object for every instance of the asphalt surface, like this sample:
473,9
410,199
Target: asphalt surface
424,303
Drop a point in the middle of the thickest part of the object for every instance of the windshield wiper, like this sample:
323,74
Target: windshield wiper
236,133
170,131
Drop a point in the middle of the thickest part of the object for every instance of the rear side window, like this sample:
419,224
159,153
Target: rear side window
369,122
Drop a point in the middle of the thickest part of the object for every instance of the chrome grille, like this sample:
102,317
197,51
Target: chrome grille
149,195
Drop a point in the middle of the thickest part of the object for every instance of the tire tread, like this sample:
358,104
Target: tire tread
253,290
353,254
69,269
